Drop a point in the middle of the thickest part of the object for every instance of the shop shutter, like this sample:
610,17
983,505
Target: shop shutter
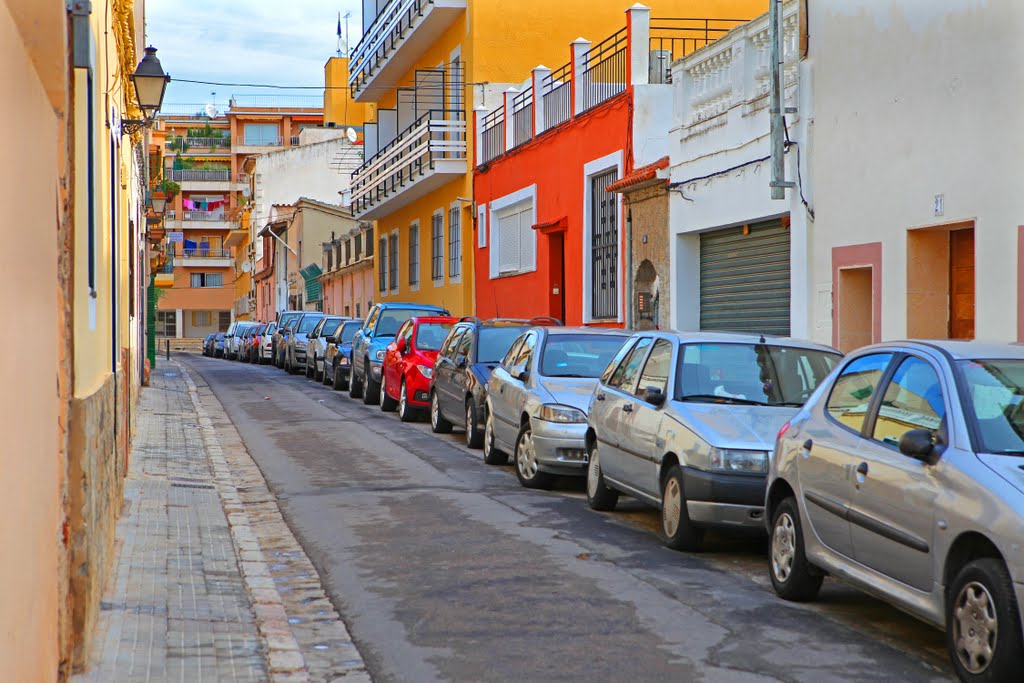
745,279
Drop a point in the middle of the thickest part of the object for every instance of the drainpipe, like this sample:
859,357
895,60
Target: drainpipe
629,268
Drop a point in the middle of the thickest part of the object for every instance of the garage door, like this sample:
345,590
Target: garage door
744,279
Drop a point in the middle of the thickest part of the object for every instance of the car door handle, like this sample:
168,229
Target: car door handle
628,408
862,469
600,397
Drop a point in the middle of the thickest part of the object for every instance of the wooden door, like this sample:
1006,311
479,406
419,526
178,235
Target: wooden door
961,284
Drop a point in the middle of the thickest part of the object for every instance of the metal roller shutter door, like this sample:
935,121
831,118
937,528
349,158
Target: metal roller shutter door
744,279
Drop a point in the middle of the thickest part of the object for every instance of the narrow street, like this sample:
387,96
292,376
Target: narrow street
446,569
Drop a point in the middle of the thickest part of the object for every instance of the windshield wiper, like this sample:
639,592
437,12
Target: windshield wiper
722,399
570,374
789,404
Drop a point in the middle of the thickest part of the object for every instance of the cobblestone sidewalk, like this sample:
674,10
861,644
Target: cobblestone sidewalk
193,597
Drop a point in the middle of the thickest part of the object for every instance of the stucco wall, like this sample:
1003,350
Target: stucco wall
649,209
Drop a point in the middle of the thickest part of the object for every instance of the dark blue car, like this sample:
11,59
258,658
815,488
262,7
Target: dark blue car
338,354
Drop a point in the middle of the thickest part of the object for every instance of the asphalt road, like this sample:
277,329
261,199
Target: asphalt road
445,569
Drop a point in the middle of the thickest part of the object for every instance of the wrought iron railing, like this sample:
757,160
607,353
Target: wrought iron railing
604,70
384,34
195,215
556,89
205,253
198,143
200,174
293,140
674,38
522,117
493,134
438,135
278,101
263,141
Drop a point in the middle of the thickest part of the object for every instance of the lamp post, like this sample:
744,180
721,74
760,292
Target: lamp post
150,82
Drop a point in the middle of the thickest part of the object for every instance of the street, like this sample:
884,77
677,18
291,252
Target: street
444,568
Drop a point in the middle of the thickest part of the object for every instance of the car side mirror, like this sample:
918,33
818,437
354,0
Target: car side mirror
653,395
400,346
460,362
519,372
918,444
331,339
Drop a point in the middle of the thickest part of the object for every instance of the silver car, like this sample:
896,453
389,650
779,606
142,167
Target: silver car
903,475
537,400
687,422
264,351
295,346
316,346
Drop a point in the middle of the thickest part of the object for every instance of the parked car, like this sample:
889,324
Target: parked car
409,364
537,400
227,339
903,476
252,343
316,347
295,348
687,423
285,320
265,352
245,341
218,345
458,385
208,344
338,354
382,322
234,339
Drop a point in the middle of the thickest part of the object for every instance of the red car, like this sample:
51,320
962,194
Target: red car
409,364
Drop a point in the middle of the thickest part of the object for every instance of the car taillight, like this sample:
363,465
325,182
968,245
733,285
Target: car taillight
782,432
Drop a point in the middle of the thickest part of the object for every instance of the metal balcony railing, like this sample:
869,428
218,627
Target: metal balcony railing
170,215
200,174
438,135
206,253
242,178
278,101
198,143
167,267
522,117
204,215
674,38
604,70
556,89
262,141
493,135
384,34
294,140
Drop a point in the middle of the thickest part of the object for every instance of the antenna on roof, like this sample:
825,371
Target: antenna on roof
761,340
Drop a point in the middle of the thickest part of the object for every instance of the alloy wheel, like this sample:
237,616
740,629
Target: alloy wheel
470,426
783,547
402,405
975,627
671,507
526,457
435,411
488,435
593,473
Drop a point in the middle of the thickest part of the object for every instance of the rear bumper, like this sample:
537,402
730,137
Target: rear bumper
560,447
720,499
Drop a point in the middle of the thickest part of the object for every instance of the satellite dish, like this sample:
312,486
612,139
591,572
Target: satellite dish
211,111
246,266
352,135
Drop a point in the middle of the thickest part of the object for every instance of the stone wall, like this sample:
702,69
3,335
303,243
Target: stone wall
649,209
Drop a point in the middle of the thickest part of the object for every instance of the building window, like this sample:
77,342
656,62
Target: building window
515,240
207,280
202,318
383,265
414,254
604,247
393,262
455,242
166,323
357,311
348,310
223,320
369,244
437,247
330,259
348,252
261,134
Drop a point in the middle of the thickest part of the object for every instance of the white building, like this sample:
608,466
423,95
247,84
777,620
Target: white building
738,259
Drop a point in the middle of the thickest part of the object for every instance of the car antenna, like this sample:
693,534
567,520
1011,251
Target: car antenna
761,340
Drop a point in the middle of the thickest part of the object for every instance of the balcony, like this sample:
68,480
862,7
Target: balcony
258,144
402,31
200,179
209,219
209,258
190,145
426,155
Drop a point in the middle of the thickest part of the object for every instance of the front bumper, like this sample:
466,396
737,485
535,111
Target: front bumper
417,389
375,370
300,355
560,447
722,499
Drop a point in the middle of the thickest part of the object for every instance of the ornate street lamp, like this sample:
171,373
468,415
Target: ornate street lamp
150,82
159,204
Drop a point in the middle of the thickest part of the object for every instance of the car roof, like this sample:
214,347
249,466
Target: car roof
408,304
739,338
605,331
959,349
417,319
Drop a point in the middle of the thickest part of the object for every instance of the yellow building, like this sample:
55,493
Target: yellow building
238,240
427,70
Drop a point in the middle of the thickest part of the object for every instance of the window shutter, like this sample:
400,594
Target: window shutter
508,243
527,243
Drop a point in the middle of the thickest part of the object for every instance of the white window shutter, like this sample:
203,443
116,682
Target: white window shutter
508,243
527,243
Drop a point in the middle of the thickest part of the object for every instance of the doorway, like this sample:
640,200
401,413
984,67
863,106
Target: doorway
961,284
556,274
940,282
855,308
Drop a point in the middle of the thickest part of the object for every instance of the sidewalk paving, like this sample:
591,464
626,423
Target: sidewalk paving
193,597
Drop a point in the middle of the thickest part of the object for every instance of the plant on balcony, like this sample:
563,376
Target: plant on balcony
179,144
168,187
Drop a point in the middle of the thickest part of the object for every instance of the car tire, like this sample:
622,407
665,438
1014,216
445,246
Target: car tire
310,372
527,468
793,577
492,454
438,424
406,413
324,379
982,602
677,531
387,404
371,389
474,435
599,495
338,383
318,375
355,387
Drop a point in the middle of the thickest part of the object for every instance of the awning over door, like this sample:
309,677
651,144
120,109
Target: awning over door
311,274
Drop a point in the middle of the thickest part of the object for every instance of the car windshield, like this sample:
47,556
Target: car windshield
220,336
430,336
494,342
348,331
752,374
995,399
307,324
579,355
392,318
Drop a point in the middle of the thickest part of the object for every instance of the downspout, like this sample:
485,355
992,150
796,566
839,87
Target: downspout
629,268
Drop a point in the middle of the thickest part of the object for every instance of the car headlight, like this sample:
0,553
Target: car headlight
379,355
425,370
300,345
552,412
732,460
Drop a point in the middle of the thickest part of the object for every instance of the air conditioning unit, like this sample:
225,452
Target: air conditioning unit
660,69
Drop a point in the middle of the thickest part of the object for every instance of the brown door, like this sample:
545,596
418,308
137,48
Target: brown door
556,275
961,284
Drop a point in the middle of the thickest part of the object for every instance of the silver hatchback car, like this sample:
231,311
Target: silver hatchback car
537,400
904,475
687,422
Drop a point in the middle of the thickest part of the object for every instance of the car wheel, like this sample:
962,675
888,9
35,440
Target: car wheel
527,468
324,379
678,533
492,454
371,389
793,577
474,436
355,387
983,630
406,413
438,424
339,383
599,495
310,372
387,404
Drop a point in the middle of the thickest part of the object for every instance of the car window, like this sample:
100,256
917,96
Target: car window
448,348
391,319
913,400
430,336
462,349
307,324
579,355
994,403
525,352
513,351
371,317
348,331
851,393
494,342
616,361
656,368
319,326
626,373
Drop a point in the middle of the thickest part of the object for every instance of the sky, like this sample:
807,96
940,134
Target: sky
245,41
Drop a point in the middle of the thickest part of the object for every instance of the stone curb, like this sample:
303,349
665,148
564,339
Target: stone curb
284,658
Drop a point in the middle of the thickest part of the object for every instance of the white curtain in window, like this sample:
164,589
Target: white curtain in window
197,279
214,280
